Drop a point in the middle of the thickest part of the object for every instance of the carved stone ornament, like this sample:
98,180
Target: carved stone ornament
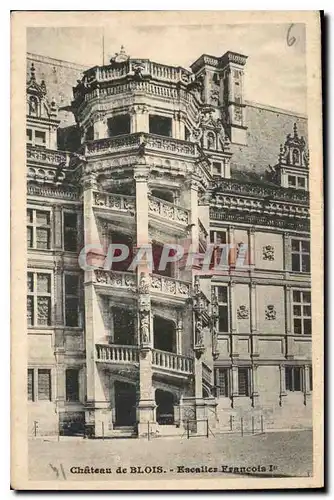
268,253
270,312
144,283
242,312
145,327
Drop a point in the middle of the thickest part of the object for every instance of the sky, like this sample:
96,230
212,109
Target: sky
275,73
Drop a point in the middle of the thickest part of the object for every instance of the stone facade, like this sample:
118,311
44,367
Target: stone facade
160,155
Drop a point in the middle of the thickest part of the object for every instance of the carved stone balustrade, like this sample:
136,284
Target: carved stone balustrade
139,67
117,279
172,362
257,219
115,201
138,140
168,210
47,156
170,286
261,191
117,353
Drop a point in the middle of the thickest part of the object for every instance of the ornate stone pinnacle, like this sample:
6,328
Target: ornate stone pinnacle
32,72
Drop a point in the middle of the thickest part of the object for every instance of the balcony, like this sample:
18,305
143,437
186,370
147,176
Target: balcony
127,281
117,353
172,362
52,157
168,211
140,140
121,280
108,205
170,287
161,360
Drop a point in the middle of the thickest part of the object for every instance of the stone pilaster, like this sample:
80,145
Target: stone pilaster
289,344
146,406
287,252
233,321
179,330
253,320
100,127
139,119
194,215
251,247
234,383
282,384
231,242
255,393
306,388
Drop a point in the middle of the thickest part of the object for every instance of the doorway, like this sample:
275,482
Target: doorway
164,334
125,404
165,407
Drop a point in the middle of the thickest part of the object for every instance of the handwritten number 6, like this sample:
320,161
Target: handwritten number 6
290,40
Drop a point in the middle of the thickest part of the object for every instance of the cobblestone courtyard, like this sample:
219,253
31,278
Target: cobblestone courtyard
272,454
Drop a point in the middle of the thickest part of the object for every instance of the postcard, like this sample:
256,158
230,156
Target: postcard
167,259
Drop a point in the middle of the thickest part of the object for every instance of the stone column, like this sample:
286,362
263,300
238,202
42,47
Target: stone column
287,252
282,384
251,248
234,384
233,321
306,388
289,343
146,406
98,406
253,320
233,250
178,125
60,383
179,330
255,394
194,215
140,119
100,127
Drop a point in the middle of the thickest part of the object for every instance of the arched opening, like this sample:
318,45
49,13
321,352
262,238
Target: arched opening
125,404
165,401
164,333
33,106
163,194
159,265
295,157
211,140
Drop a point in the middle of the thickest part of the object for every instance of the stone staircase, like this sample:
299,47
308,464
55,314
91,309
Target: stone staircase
123,432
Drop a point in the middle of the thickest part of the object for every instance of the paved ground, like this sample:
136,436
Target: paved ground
272,454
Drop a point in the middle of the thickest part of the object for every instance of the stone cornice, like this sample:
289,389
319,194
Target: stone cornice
260,219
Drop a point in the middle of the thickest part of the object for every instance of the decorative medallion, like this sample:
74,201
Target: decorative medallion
270,312
268,253
242,312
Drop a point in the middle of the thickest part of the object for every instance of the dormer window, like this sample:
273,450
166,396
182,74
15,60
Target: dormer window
216,169
40,139
297,182
36,137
